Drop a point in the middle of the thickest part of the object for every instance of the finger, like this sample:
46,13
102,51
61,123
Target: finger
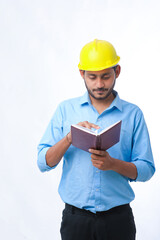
96,157
88,125
97,162
97,165
97,152
91,125
94,126
85,124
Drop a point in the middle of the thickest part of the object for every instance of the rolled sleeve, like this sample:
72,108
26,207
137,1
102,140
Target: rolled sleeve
52,135
144,171
41,161
142,156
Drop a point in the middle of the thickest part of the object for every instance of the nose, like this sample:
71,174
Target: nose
100,83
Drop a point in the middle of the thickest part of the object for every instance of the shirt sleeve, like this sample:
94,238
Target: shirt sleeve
52,135
142,155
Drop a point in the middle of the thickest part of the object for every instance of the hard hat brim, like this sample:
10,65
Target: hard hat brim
98,68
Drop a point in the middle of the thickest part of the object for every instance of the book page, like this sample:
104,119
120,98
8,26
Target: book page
104,130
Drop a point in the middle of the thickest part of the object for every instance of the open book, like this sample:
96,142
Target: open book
86,139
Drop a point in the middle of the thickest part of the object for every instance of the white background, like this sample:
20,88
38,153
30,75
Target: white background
40,41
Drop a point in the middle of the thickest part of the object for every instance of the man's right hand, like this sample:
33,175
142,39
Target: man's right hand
85,124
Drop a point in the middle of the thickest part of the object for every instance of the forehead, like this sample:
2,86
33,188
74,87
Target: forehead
101,72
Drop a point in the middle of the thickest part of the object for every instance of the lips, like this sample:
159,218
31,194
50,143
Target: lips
100,91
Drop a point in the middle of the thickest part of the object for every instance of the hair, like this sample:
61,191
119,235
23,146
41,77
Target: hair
114,68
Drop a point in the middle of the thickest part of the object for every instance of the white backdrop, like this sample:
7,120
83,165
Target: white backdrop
40,41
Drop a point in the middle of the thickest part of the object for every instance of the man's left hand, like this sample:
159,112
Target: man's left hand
101,159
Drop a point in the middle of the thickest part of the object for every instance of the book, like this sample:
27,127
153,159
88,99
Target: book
86,139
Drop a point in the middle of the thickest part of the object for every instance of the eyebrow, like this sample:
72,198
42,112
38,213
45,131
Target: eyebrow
102,75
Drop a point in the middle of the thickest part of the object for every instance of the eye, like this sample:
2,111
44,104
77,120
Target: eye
106,77
92,77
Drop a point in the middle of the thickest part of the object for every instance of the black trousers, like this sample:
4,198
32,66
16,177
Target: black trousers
114,224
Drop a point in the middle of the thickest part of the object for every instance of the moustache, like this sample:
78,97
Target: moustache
100,89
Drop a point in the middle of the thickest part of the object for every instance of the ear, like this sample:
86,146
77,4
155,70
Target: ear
118,70
82,72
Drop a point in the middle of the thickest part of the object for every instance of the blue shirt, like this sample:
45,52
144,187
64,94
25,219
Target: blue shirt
83,185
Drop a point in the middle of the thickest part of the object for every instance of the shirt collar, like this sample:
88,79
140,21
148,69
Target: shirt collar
85,99
116,102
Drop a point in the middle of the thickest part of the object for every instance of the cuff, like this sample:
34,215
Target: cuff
41,161
144,171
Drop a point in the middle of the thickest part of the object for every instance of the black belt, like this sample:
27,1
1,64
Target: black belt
75,210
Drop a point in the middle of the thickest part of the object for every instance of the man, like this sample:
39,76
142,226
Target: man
95,186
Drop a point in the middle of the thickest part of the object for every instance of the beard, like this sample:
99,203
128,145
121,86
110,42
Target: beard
103,93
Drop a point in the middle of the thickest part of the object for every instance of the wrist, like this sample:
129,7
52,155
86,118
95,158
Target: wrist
113,163
68,137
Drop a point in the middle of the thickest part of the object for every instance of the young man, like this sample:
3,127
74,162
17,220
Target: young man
95,186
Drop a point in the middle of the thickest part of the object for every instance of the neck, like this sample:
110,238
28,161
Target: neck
102,104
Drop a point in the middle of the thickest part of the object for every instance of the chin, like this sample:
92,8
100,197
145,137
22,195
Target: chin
100,97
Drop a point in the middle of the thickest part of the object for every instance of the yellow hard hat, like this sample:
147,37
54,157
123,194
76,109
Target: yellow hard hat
98,55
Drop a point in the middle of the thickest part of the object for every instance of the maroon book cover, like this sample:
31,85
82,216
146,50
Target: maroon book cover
85,138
